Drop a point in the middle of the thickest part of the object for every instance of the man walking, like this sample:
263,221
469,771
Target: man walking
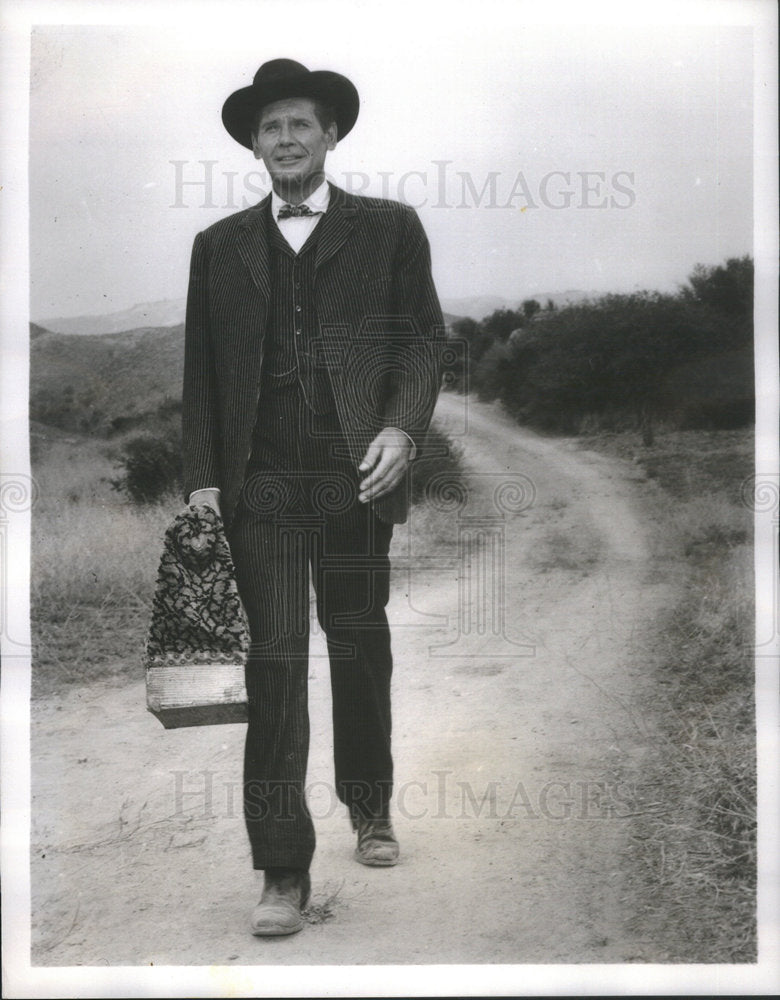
311,373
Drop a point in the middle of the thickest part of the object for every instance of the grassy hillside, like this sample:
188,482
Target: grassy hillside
102,384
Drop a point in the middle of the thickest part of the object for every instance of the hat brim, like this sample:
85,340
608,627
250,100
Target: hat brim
239,109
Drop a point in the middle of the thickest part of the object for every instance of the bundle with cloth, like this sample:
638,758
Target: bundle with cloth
198,636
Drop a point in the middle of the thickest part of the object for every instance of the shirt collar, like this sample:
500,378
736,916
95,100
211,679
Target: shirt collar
317,201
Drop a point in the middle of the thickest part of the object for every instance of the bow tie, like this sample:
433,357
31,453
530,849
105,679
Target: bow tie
295,212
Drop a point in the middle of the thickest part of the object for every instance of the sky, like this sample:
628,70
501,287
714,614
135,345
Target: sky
540,157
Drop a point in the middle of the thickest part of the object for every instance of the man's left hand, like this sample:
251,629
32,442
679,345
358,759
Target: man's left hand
385,461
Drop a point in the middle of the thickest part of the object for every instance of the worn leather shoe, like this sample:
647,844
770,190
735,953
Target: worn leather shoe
285,894
376,843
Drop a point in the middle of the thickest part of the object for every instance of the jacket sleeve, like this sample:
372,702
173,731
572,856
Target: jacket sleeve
419,334
200,415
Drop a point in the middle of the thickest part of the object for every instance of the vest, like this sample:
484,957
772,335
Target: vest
293,347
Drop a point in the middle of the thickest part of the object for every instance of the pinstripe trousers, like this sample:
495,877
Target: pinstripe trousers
299,511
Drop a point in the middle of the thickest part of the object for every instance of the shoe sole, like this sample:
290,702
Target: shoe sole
277,931
369,863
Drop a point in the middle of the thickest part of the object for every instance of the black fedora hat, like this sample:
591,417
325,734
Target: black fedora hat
281,78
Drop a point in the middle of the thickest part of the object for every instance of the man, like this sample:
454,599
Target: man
310,377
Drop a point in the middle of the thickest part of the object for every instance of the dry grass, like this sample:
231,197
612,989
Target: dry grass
94,564
702,852
696,828
323,907
93,574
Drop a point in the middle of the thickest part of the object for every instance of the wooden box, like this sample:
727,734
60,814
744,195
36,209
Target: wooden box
196,694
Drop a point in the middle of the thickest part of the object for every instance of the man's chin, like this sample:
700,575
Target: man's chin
294,181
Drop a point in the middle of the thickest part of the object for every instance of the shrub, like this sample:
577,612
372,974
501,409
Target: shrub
632,359
727,288
438,455
152,466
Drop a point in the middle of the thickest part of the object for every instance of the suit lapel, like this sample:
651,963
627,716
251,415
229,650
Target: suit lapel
253,246
335,229
336,226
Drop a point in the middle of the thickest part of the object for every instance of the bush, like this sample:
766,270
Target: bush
621,360
69,409
152,465
727,288
437,455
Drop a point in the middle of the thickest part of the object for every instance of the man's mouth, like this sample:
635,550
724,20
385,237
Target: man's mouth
288,159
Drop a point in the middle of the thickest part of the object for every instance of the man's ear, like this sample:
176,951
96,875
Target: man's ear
256,148
332,133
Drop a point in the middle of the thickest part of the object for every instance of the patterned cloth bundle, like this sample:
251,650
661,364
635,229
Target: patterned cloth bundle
198,635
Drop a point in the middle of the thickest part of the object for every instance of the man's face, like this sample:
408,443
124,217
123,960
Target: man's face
292,144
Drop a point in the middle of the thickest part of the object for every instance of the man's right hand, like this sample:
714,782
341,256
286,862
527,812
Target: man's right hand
209,498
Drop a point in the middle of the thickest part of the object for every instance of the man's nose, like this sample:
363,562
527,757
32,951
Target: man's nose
285,135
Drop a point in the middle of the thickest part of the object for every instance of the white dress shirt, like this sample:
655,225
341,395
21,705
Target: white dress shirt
298,229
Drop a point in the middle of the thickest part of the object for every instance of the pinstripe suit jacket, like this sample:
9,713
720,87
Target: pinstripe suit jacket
380,328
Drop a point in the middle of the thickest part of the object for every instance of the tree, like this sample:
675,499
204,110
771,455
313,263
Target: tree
726,288
530,308
495,373
625,360
502,322
476,341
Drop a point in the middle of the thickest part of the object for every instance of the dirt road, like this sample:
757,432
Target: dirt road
521,697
